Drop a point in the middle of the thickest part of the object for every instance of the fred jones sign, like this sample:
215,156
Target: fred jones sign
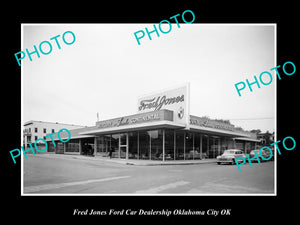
157,103
176,100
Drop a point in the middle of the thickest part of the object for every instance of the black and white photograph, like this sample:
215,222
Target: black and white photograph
172,115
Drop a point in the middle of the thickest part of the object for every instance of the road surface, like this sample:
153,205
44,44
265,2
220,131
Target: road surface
66,174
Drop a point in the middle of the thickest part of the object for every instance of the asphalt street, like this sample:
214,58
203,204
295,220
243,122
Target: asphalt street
66,174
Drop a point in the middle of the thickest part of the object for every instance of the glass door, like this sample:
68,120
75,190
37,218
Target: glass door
123,144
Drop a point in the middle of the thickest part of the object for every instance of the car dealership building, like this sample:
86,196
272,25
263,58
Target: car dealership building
163,129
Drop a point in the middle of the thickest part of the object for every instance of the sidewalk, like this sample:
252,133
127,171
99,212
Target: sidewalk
168,162
134,162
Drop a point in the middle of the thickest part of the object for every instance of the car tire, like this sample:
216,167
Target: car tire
233,162
218,163
261,160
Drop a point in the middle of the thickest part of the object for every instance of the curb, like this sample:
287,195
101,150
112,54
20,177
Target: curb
168,164
132,163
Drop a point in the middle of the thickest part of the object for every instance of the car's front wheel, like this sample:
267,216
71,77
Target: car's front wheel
233,162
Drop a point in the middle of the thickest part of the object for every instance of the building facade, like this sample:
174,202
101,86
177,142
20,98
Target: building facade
33,130
163,129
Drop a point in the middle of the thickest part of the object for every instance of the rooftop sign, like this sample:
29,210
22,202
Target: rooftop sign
176,100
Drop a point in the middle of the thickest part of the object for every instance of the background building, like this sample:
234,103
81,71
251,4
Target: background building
266,138
34,130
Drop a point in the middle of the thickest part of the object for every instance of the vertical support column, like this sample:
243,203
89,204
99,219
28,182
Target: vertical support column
207,147
65,147
193,146
150,147
219,146
163,148
174,144
138,144
184,145
127,146
80,146
201,146
119,146
95,146
25,140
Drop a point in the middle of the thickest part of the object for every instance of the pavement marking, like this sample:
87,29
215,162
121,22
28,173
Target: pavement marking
211,187
162,187
43,187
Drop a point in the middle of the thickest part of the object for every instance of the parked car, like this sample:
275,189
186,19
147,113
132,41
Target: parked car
229,156
193,155
264,153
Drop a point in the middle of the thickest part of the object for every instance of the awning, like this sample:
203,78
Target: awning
246,139
215,131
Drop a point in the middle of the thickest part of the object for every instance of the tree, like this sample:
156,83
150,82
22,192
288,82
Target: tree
268,137
257,131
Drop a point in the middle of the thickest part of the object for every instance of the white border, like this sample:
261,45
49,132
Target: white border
82,194
22,118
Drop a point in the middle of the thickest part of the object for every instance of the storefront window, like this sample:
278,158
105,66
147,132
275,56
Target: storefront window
123,140
144,145
169,144
133,145
224,142
103,145
72,146
156,144
205,139
230,143
51,147
179,148
189,145
123,145
197,146
100,145
247,147
179,145
213,147
114,141
239,145
59,147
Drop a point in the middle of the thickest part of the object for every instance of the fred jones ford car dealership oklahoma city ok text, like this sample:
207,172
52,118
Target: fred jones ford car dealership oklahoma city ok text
162,130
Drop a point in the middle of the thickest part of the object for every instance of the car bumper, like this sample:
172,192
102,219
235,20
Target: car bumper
225,160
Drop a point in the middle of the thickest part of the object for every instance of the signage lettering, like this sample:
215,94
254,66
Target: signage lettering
211,123
158,102
175,99
128,120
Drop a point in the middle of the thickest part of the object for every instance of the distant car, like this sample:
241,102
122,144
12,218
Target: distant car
229,156
264,154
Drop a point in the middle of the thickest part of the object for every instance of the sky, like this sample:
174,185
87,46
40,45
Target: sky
105,71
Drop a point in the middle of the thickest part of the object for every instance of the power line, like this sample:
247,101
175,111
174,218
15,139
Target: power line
261,118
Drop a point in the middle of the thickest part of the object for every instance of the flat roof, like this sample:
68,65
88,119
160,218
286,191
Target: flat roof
135,127
157,120
38,121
